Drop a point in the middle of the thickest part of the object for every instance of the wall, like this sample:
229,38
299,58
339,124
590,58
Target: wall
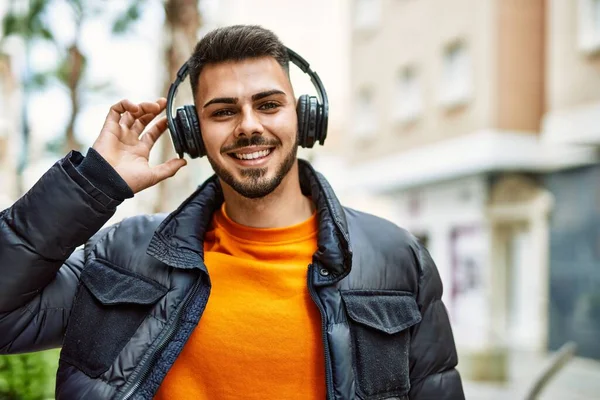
520,64
417,33
573,75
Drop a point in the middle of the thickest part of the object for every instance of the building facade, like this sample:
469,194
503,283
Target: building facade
454,104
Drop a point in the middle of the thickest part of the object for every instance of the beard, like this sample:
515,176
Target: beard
254,184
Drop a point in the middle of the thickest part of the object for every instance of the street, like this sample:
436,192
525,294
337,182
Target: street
579,380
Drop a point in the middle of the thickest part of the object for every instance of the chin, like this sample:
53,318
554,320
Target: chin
254,178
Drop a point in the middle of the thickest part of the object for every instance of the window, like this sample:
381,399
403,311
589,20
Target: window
456,79
367,14
589,25
365,123
410,103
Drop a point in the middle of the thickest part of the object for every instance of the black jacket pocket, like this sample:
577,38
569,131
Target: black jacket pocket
110,305
379,322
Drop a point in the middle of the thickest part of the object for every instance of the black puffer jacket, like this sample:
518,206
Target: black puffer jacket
123,306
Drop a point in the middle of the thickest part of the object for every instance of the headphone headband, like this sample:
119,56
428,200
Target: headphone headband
314,130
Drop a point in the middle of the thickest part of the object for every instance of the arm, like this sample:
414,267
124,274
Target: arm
39,267
433,353
43,228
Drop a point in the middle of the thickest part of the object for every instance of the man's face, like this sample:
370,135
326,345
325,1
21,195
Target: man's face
249,125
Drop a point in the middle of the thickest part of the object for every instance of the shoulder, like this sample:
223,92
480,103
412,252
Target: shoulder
372,228
384,255
150,221
377,241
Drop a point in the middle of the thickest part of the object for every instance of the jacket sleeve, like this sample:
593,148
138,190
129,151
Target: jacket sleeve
433,355
39,263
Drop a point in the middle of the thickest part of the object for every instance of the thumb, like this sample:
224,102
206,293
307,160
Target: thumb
168,169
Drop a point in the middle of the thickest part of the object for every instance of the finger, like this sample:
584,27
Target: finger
150,108
167,169
152,134
114,114
141,123
147,110
127,119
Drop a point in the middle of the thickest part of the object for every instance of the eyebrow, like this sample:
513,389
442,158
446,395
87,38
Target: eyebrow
234,100
267,93
224,100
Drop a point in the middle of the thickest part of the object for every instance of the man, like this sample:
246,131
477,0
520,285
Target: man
259,286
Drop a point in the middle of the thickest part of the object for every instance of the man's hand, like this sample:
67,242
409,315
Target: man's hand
126,151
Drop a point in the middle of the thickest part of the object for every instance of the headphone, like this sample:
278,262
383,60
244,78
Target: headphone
312,115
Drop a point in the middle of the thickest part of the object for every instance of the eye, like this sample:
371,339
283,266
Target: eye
223,113
269,105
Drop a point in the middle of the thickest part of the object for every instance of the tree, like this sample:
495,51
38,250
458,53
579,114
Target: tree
28,376
25,19
182,23
28,21
71,70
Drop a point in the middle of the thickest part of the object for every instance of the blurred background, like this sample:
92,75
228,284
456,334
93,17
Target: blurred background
474,124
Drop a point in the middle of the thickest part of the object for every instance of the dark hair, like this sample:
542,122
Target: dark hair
235,43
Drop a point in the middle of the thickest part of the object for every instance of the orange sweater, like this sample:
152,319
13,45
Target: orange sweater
260,334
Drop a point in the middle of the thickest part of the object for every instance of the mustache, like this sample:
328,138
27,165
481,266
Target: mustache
250,141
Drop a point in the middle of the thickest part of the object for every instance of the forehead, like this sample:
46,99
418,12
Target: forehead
242,78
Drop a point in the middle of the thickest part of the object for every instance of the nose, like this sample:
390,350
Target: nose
249,123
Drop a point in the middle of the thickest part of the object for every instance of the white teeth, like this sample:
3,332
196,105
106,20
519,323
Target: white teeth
252,156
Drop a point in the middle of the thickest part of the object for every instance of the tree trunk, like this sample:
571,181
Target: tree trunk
25,128
75,73
182,22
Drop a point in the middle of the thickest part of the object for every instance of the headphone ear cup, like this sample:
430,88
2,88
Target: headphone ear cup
313,119
189,131
322,123
302,112
176,138
182,125
196,134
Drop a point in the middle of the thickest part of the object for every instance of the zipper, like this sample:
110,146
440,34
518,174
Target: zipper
317,301
131,388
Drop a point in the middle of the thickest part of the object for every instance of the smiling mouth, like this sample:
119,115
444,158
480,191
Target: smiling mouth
255,155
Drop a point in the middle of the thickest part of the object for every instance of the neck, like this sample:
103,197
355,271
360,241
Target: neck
285,206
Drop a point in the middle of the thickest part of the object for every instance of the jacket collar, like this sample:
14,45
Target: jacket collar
178,241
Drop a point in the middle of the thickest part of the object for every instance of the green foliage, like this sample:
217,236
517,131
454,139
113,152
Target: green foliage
55,146
12,25
77,7
30,25
28,376
38,80
28,20
131,15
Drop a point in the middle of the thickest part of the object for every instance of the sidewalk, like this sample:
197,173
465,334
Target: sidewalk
578,380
